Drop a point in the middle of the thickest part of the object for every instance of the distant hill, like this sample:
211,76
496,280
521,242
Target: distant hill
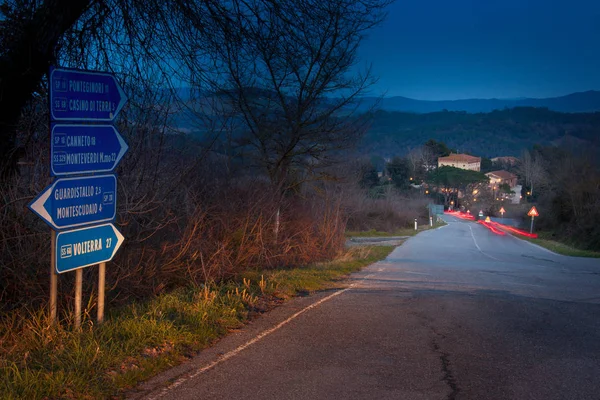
573,103
498,133
486,128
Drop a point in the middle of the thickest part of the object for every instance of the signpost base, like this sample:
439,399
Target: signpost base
78,290
531,227
53,279
101,282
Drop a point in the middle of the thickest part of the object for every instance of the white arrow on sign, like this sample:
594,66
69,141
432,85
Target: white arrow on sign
83,247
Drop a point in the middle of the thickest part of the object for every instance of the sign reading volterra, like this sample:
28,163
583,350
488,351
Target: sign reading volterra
86,246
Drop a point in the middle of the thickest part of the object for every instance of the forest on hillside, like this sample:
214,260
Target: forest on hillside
499,133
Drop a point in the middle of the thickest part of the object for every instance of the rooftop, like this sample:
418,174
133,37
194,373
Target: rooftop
460,158
502,174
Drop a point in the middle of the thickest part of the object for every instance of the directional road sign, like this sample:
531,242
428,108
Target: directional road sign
78,149
78,95
86,246
72,202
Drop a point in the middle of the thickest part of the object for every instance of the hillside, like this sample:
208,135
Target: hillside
581,102
504,132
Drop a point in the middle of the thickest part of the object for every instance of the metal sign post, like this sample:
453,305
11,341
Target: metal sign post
532,213
78,293
101,284
82,104
53,279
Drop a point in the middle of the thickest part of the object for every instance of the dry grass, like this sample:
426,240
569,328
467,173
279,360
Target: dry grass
43,360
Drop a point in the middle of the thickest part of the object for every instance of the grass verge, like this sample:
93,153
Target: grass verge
39,360
398,232
561,248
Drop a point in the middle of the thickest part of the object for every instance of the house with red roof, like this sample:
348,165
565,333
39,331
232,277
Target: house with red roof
463,161
498,178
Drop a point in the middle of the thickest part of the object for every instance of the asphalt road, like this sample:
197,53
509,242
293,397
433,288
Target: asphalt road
453,313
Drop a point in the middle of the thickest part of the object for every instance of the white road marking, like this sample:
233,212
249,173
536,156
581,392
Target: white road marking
416,273
479,248
249,343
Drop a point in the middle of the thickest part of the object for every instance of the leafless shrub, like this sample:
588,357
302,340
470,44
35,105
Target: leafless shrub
394,211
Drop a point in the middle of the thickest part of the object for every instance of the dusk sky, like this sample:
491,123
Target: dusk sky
442,49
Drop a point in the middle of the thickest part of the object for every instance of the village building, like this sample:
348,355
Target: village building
498,178
463,161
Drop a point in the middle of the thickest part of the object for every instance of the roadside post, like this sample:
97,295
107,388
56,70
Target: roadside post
532,213
79,206
415,224
430,221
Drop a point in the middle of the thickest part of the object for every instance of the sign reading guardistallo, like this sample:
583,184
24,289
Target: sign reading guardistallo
73,202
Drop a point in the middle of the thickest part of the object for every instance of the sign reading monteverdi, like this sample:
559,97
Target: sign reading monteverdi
77,149
78,95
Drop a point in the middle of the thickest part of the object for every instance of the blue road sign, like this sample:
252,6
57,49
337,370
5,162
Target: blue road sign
78,149
78,95
86,246
72,202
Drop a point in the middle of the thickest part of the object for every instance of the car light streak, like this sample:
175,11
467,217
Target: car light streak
515,230
460,214
492,228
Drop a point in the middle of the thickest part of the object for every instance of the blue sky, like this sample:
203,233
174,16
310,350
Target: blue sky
456,49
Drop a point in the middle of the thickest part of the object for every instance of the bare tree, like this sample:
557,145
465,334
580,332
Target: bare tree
285,68
30,33
532,170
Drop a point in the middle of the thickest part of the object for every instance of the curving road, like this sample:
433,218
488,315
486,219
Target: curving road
454,313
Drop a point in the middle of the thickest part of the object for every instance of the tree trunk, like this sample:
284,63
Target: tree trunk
26,59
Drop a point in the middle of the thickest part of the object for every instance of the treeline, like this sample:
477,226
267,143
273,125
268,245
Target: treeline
566,188
498,133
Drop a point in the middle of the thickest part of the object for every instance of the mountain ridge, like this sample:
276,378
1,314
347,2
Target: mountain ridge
578,102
